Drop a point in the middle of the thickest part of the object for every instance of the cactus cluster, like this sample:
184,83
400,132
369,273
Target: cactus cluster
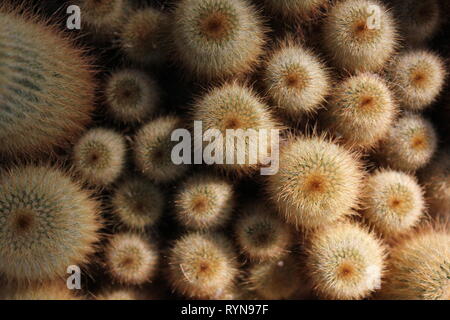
115,162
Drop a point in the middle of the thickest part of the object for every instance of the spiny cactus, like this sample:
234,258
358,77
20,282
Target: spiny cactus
153,147
202,265
345,261
47,223
359,35
143,38
296,80
410,144
419,77
298,10
204,201
46,86
216,39
276,279
120,294
99,156
317,182
54,290
131,259
361,110
393,202
131,96
233,106
419,268
138,203
261,234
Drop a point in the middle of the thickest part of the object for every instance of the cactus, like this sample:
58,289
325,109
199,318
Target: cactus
138,203
410,144
204,201
276,279
317,182
217,39
419,267
54,290
359,35
153,147
418,77
47,224
120,294
393,202
202,265
296,80
297,10
99,156
46,86
131,96
261,234
345,261
130,259
233,106
361,110
143,38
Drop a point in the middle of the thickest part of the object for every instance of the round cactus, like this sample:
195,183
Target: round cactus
261,234
393,202
47,87
131,96
143,36
99,156
419,268
359,35
131,259
361,110
235,107
204,201
410,144
276,279
121,294
296,80
202,265
297,10
418,77
217,39
345,261
47,223
138,203
153,148
317,182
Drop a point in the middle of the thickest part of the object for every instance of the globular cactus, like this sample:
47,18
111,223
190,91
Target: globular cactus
261,234
144,36
233,106
317,183
202,265
345,261
153,147
131,96
297,10
204,201
361,111
54,290
99,156
131,259
296,80
393,202
138,203
47,223
410,143
47,87
359,35
418,20
419,267
125,293
276,279
436,179
419,78
217,39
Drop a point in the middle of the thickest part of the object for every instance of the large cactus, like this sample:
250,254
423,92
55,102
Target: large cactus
46,87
